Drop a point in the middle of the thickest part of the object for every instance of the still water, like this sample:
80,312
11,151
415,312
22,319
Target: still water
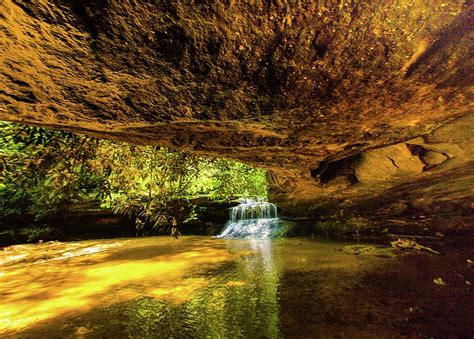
200,287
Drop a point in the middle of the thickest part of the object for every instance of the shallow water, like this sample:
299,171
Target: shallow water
198,287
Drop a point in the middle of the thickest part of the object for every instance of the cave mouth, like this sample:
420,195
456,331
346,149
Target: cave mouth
345,107
57,177
100,213
145,124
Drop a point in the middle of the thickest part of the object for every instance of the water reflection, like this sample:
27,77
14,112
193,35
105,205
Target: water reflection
186,288
41,290
240,300
243,300
199,287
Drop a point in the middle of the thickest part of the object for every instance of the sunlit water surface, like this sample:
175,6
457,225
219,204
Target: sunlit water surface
197,287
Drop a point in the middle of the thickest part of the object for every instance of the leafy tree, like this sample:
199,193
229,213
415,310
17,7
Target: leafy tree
154,184
43,172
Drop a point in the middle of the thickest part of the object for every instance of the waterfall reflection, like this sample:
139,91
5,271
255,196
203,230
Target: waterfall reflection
243,300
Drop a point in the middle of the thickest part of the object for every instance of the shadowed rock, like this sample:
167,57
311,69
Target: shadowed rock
339,100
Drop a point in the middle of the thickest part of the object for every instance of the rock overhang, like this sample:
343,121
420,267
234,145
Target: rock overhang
313,92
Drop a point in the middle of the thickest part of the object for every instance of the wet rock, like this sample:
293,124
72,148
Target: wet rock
422,205
395,209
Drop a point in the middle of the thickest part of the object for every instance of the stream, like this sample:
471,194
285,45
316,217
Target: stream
198,287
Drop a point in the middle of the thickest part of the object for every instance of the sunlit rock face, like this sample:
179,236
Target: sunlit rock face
339,100
428,175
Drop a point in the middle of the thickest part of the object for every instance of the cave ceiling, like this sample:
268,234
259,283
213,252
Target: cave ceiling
332,97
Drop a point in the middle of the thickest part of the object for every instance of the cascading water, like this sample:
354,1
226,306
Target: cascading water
257,219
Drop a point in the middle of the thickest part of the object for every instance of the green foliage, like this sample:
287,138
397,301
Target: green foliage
34,234
224,179
43,172
147,183
29,234
285,229
157,184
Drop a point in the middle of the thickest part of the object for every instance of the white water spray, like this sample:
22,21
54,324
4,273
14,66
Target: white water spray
256,219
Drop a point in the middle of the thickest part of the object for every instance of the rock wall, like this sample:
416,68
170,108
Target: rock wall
339,100
426,175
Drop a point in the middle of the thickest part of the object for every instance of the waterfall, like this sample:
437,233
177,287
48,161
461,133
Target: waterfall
252,218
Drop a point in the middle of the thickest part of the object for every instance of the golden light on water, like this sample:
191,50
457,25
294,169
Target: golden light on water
90,277
158,286
199,287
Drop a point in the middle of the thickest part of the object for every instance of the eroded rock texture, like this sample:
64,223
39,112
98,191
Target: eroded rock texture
341,100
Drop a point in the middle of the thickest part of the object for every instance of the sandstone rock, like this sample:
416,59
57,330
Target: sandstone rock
434,158
386,164
297,88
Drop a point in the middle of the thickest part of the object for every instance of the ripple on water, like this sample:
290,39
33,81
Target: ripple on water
202,287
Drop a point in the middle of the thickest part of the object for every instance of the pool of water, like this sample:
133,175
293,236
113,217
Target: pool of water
198,287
